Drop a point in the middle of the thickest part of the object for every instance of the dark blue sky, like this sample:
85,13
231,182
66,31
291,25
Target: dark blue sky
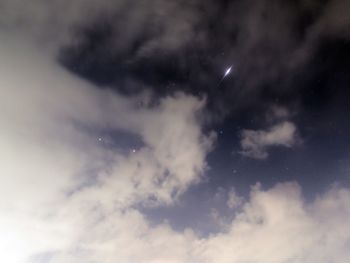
315,91
282,56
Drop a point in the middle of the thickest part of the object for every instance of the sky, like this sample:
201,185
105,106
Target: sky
173,131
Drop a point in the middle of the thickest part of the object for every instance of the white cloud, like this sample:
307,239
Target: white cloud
48,196
256,143
279,226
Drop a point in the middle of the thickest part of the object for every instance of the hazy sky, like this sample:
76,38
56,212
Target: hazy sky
125,139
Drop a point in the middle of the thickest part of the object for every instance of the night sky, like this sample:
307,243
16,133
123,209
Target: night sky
173,131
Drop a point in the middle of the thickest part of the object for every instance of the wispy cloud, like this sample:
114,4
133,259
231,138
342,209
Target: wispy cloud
255,144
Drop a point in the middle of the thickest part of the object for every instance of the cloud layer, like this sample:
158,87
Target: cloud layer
183,44
66,198
54,163
70,191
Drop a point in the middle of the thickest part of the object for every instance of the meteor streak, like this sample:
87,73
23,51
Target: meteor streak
227,72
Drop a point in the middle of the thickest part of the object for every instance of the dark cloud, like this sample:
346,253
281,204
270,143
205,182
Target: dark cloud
187,45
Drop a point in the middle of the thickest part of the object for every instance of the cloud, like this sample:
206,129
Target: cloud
255,143
68,197
234,201
279,226
159,25
56,173
267,42
334,20
55,208
277,113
